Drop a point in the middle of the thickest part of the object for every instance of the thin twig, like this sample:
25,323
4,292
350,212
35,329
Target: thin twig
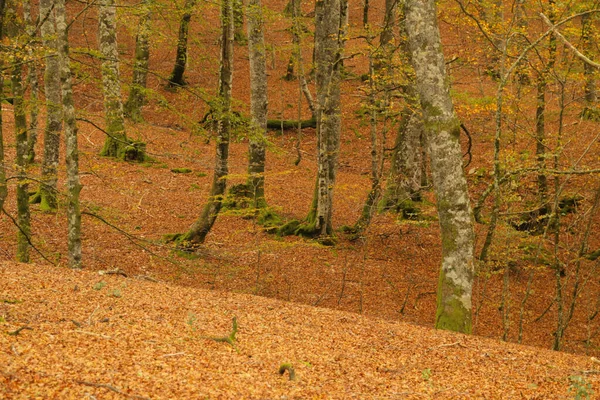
114,389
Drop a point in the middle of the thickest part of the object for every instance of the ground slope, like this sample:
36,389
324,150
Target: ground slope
107,336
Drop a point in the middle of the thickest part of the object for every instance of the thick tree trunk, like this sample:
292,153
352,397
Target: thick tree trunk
48,188
72,152
176,78
443,131
258,103
137,93
198,231
328,49
116,145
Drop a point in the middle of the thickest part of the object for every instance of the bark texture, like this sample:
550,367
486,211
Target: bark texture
328,52
443,130
590,110
258,102
48,188
116,144
198,231
72,153
176,78
33,81
3,188
137,93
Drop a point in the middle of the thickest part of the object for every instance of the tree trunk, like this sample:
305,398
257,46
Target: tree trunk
443,130
590,110
258,103
116,145
238,22
198,231
137,93
33,82
72,152
23,217
176,78
3,188
46,195
328,49
365,18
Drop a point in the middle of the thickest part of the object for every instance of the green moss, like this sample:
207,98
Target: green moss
181,170
451,314
289,368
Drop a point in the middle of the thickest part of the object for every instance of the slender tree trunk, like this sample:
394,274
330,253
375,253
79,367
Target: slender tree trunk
258,103
32,77
328,52
590,110
443,130
23,217
238,19
137,93
176,78
3,188
365,18
297,40
199,230
46,195
72,153
116,145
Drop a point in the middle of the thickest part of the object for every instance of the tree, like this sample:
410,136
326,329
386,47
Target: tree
137,93
116,145
329,42
198,231
46,195
258,103
3,188
590,110
443,131
176,78
72,152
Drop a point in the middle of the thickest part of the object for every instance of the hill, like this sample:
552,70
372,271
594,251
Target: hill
76,334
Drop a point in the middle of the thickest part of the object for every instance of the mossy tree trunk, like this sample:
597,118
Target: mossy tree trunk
47,192
328,52
116,144
3,188
33,82
72,151
137,92
443,130
198,231
590,110
258,103
23,216
176,78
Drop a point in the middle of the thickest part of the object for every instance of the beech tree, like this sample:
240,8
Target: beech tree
137,92
258,103
117,144
46,195
443,131
72,152
3,188
176,78
329,42
198,231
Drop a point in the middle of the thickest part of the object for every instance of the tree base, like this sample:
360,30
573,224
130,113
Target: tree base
125,149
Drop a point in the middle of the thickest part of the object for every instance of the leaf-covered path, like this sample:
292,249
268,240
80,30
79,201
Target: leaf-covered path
72,334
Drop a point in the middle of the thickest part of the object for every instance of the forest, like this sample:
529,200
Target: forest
431,163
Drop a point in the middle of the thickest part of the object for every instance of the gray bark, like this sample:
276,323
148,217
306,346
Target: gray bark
443,130
72,152
591,94
328,52
116,141
137,93
176,78
48,187
33,81
3,188
258,102
199,230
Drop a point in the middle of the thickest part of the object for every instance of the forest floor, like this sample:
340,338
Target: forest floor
77,334
353,318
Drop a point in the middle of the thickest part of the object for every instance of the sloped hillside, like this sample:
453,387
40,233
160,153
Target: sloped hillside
73,334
